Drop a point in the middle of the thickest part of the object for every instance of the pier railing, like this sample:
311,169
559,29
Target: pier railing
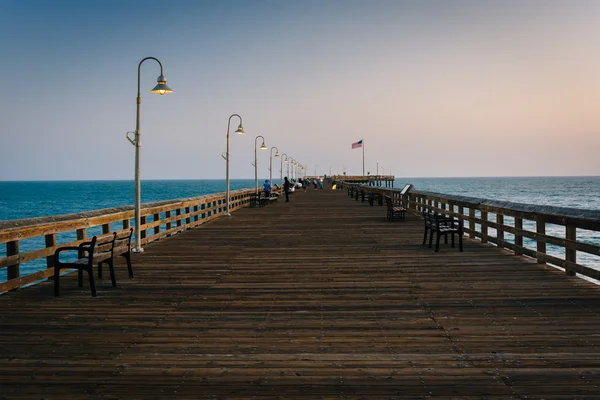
32,242
560,236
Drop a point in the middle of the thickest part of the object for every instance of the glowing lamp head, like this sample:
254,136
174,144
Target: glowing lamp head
263,146
162,87
240,130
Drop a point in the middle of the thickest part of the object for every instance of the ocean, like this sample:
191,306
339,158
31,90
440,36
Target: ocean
29,199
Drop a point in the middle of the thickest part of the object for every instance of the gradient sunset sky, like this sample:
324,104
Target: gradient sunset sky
435,88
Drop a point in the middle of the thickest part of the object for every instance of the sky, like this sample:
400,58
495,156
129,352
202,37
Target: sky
435,88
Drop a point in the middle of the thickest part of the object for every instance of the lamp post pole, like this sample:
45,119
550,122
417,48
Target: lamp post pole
281,168
290,160
271,162
240,131
161,88
262,147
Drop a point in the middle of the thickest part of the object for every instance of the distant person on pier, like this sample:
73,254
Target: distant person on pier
286,188
267,187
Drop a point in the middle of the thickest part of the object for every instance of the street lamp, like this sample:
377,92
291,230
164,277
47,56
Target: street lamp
161,88
291,161
281,168
262,147
239,131
271,162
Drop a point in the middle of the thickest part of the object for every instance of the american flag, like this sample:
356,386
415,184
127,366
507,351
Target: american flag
358,144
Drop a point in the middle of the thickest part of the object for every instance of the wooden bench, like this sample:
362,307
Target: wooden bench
101,249
360,192
121,247
260,199
442,226
272,199
257,200
88,254
394,210
375,196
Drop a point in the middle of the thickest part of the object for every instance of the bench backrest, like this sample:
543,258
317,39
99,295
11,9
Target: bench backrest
86,250
104,246
122,242
388,202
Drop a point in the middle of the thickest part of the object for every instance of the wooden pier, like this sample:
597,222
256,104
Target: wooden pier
319,298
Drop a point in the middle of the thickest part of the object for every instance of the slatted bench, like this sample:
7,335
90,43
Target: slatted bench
441,225
101,249
394,210
257,200
375,196
88,254
121,247
360,192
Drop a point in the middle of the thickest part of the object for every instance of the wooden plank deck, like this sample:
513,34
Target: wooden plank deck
319,298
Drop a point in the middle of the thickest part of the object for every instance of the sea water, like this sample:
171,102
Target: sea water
35,199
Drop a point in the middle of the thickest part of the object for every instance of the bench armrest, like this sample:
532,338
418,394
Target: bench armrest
65,249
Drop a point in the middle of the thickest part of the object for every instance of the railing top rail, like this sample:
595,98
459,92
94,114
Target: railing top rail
526,208
585,218
31,222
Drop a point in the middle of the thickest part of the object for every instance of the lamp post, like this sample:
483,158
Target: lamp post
262,147
161,88
239,131
281,168
271,162
290,160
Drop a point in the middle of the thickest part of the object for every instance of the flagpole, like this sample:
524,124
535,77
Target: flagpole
363,147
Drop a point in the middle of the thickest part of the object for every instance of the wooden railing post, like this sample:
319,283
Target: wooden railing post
570,252
484,226
157,227
472,222
188,218
50,242
168,225
143,227
126,224
105,228
178,214
499,230
518,236
81,235
541,244
12,249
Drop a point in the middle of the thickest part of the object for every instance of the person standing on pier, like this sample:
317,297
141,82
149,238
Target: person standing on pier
286,189
267,187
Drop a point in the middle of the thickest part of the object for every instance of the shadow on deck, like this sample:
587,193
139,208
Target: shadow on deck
318,298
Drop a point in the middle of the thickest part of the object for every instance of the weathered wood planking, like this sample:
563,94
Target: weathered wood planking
319,298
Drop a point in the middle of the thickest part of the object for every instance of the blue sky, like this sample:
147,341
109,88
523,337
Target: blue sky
435,88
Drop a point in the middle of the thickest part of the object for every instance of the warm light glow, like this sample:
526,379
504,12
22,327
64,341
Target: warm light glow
240,130
162,86
263,146
276,155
